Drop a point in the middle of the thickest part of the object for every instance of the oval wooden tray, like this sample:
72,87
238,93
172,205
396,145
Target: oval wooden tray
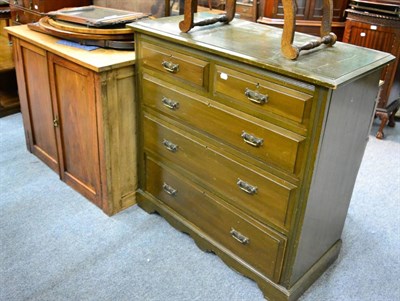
74,27
43,22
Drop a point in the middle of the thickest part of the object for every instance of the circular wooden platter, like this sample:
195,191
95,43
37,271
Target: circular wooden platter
79,28
43,22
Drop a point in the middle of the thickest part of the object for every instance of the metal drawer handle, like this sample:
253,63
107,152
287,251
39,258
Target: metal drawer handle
246,187
252,140
240,237
170,104
170,66
256,97
170,146
56,122
169,189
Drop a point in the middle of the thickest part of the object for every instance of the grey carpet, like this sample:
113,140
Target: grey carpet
55,245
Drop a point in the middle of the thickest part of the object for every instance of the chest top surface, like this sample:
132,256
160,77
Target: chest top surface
259,45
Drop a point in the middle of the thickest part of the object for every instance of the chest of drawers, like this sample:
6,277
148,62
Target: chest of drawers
251,154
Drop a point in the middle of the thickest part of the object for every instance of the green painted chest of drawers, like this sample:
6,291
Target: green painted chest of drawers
251,154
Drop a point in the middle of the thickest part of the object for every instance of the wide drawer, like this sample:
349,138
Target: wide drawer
261,195
262,95
257,245
265,141
176,65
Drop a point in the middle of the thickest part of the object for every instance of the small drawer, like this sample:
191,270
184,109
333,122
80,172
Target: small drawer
246,11
257,245
269,143
262,95
260,194
176,65
21,16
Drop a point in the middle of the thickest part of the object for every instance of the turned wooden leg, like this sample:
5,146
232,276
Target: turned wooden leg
384,117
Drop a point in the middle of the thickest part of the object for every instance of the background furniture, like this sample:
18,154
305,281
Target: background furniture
9,102
251,153
28,11
374,26
79,115
308,17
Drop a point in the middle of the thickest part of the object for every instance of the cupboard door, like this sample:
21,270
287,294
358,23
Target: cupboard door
74,97
34,92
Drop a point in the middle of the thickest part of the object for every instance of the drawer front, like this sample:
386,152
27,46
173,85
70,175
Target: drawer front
261,195
246,12
174,64
265,141
263,96
259,246
20,16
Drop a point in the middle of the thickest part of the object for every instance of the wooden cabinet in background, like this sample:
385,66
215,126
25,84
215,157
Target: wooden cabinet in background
379,31
79,115
308,16
28,11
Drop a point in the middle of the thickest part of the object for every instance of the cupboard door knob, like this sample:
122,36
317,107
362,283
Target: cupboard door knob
169,189
240,237
252,140
169,103
17,18
246,187
256,97
170,66
170,146
56,122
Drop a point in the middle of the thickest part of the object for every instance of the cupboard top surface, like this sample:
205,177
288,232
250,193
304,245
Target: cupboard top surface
97,60
260,45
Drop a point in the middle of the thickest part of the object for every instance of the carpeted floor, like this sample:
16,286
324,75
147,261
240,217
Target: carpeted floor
55,245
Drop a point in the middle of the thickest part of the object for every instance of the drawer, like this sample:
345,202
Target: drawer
49,5
21,16
269,143
175,65
263,96
246,11
261,195
257,245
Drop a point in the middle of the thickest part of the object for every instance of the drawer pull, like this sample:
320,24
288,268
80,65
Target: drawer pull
169,190
170,146
246,187
170,104
170,66
240,237
256,97
252,140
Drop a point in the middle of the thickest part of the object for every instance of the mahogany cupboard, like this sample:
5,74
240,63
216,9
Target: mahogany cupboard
78,114
255,156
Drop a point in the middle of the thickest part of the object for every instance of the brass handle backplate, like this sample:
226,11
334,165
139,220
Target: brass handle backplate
170,66
256,97
169,189
246,187
56,123
169,103
252,140
170,146
240,237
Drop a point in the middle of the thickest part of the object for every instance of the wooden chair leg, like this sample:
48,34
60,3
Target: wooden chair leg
384,117
190,7
328,38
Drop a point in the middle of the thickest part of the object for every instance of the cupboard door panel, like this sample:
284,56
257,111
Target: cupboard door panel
74,96
42,135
